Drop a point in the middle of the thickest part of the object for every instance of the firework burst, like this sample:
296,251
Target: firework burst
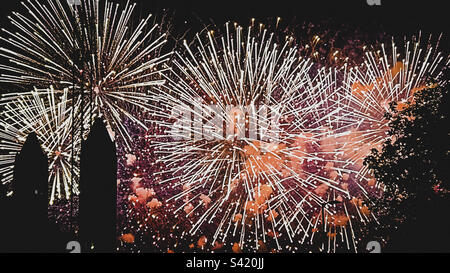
92,49
242,122
367,91
94,60
388,75
51,121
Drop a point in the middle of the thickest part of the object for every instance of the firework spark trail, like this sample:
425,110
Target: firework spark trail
117,62
51,121
247,175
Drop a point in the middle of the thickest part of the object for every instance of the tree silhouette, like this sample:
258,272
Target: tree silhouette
412,166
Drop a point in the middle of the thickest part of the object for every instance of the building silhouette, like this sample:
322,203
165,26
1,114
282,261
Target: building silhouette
98,191
26,212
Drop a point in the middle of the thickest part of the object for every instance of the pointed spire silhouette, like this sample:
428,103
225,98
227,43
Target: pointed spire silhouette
30,182
28,209
98,191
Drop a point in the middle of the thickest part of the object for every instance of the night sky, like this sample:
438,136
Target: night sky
393,17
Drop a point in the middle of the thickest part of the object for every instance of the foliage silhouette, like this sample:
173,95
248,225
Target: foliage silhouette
412,167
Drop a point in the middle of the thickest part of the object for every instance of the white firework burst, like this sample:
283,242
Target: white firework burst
42,113
93,49
241,121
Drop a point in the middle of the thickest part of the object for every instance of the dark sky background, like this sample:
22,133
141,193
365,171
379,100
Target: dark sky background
396,18
393,16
